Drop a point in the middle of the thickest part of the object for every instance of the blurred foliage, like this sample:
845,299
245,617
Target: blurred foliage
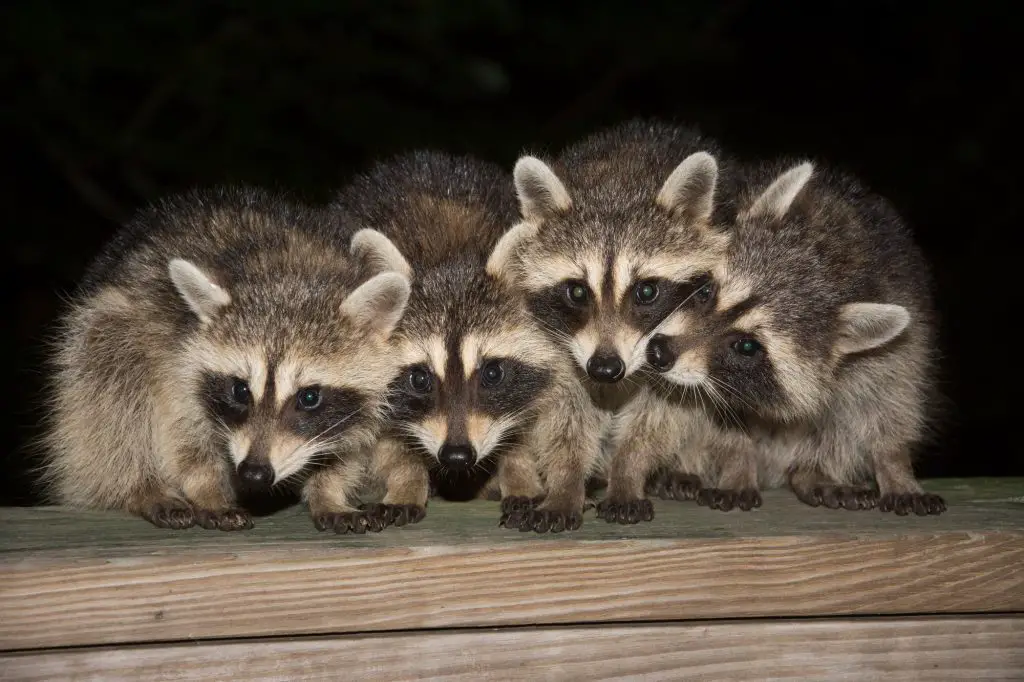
111,104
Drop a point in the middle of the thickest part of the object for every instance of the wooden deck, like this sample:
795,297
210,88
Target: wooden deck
778,593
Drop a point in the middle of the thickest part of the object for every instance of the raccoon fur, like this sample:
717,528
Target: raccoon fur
224,342
481,383
614,235
812,351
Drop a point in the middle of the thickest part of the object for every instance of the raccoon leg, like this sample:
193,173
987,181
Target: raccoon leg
163,509
899,490
408,482
818,490
737,483
329,492
206,486
519,486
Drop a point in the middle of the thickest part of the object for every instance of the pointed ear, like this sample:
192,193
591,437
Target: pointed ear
378,303
204,296
501,258
775,201
373,248
863,326
541,194
689,192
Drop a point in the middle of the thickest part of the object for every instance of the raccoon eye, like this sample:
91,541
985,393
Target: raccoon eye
747,347
491,374
309,398
577,292
646,292
240,392
704,293
420,380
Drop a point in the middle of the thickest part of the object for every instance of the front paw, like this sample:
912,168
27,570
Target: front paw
369,518
401,514
542,520
851,498
625,512
724,500
224,519
173,514
518,503
921,504
675,486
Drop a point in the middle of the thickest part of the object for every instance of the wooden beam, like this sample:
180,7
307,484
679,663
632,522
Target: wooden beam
969,648
88,579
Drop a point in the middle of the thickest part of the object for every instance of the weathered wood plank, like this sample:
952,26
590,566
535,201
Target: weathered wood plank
115,580
968,648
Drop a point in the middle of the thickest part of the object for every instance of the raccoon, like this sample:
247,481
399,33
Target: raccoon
614,235
223,343
480,381
815,339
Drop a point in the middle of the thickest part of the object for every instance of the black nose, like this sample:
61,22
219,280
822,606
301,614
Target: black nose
606,368
456,457
659,355
255,474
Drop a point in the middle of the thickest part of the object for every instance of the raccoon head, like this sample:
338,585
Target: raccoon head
767,335
289,371
474,362
602,272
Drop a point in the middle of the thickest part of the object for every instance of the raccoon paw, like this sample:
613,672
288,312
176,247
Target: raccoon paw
171,514
675,486
725,500
224,519
400,514
542,520
518,503
627,512
921,504
848,497
369,519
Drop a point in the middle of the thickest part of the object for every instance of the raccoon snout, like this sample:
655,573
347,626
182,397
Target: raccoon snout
255,474
457,457
659,355
606,368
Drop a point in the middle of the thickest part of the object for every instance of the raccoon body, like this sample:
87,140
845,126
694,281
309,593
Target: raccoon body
481,384
615,234
222,343
808,359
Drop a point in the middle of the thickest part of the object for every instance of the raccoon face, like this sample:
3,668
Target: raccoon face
287,382
768,335
601,277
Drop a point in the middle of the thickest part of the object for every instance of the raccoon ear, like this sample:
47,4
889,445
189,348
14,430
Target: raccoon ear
775,201
204,296
378,303
863,326
504,251
541,194
689,191
372,247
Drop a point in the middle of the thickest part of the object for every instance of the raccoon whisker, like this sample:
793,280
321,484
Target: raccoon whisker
735,394
328,429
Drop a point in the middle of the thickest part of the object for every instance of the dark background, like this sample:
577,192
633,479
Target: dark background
109,105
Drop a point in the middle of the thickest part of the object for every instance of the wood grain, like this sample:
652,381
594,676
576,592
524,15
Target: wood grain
846,649
109,586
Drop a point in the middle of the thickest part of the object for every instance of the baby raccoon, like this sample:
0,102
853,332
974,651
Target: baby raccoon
813,346
222,342
480,381
615,234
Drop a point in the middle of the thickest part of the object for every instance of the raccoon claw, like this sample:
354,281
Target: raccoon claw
627,513
541,520
725,500
173,515
224,519
675,486
367,519
921,504
399,515
851,498
519,503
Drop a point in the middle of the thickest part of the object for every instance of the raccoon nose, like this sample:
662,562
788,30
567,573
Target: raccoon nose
606,368
659,355
456,457
255,474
